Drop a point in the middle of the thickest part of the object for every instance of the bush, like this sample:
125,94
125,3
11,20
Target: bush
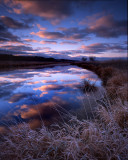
88,87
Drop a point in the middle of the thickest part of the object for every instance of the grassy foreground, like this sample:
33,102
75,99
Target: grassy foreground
104,138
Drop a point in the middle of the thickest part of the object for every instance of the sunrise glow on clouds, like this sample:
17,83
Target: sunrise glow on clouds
64,29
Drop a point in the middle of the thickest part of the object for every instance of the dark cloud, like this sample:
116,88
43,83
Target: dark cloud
68,42
14,24
106,26
52,10
28,20
2,27
49,35
112,32
17,97
73,33
18,48
67,34
6,36
6,51
98,48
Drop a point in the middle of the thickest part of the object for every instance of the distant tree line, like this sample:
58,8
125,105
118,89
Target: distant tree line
7,57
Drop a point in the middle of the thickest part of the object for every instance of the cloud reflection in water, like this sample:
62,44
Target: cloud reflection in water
41,93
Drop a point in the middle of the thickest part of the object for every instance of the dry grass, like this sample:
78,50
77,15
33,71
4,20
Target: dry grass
117,64
106,74
117,86
108,69
105,138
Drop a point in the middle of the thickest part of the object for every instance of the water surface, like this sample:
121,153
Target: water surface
33,95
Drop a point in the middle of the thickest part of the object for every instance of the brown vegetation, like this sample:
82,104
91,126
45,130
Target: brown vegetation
105,138
117,86
88,86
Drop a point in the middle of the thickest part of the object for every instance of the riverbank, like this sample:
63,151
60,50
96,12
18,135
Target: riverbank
28,62
6,65
113,74
103,138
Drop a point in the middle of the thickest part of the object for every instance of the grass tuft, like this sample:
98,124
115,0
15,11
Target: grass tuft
88,86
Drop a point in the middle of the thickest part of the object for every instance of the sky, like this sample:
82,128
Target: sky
69,29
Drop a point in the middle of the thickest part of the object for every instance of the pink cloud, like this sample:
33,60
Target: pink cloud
48,35
48,42
55,11
105,21
40,27
104,25
31,40
49,87
17,11
49,81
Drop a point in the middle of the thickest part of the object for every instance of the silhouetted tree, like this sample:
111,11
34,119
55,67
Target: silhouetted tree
84,59
92,59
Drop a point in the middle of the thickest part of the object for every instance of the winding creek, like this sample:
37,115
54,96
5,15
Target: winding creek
32,95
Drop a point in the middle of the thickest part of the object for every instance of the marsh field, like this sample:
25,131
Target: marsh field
74,110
